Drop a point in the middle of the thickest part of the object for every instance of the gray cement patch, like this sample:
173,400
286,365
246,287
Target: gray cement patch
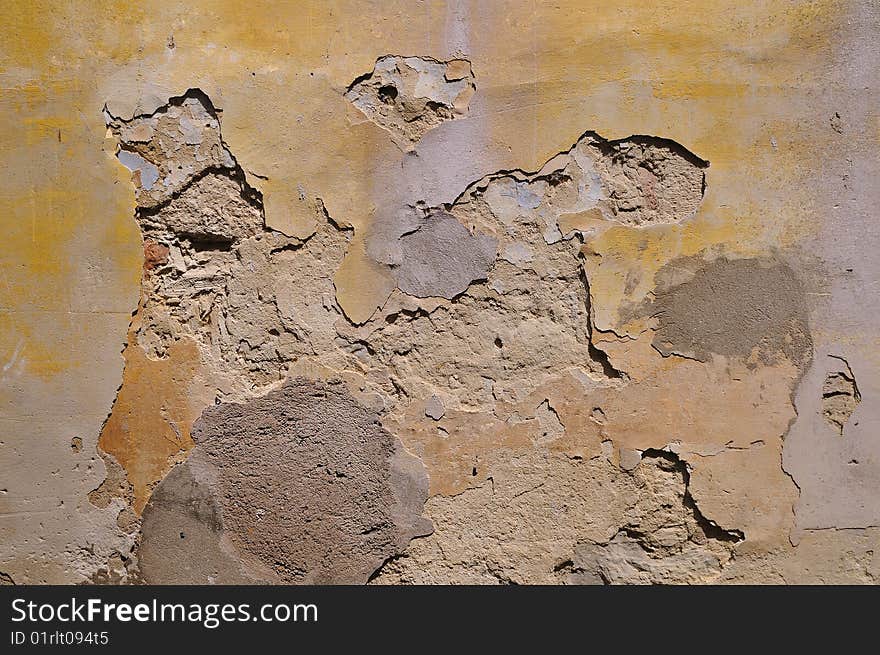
442,258
182,540
304,482
731,308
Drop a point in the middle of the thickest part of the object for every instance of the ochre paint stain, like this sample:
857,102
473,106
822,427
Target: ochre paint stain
148,429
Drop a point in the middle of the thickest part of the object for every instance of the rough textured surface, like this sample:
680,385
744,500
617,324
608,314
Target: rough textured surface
303,482
496,230
840,397
410,95
172,147
577,529
740,308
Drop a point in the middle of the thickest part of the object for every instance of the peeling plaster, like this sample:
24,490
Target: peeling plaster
580,360
410,95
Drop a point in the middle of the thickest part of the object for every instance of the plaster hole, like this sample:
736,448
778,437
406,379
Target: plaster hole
388,94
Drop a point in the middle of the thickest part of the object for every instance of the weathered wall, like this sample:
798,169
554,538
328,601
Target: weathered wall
459,291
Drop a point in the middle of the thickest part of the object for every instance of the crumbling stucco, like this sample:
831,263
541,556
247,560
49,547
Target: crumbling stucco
585,522
840,397
172,147
443,288
410,95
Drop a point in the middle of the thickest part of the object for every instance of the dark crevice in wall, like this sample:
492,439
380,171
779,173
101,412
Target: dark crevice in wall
709,527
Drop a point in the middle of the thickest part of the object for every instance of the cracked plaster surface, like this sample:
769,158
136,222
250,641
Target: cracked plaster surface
605,362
